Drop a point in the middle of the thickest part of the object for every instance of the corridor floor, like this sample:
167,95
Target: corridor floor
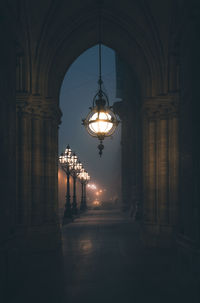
105,262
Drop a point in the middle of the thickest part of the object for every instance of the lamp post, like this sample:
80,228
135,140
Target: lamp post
86,180
75,168
65,160
81,179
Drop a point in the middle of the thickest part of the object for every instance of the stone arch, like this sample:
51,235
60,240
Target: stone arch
129,40
55,43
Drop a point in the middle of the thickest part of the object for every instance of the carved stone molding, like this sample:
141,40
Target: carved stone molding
38,107
161,107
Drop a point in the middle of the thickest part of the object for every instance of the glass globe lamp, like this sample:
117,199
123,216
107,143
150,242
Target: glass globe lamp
101,121
62,159
73,160
68,154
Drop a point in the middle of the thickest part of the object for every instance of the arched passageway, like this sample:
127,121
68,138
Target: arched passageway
79,86
159,43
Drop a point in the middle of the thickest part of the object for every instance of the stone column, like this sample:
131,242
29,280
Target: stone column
160,184
130,150
125,166
37,171
189,215
163,172
7,154
50,169
23,161
38,239
173,169
120,109
152,207
37,143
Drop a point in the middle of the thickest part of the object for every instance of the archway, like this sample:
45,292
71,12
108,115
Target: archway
106,172
157,112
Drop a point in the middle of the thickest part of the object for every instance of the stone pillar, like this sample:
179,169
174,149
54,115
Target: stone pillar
160,167
50,169
125,166
38,237
151,207
163,171
189,215
37,143
37,171
120,109
130,153
23,161
7,155
173,169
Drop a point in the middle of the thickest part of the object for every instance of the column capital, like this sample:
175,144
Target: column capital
161,107
38,106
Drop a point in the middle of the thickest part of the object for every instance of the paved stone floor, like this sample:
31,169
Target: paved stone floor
105,262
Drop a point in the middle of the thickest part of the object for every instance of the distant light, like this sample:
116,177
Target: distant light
92,186
96,202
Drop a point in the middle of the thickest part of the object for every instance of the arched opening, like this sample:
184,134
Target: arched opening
78,89
149,114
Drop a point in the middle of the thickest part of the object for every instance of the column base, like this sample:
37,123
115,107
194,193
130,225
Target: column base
38,238
38,265
8,269
68,213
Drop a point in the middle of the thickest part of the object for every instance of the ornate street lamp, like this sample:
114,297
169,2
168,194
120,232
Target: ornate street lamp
83,178
75,168
65,160
86,180
101,121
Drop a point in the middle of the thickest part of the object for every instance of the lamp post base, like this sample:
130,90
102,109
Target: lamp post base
74,209
83,207
68,217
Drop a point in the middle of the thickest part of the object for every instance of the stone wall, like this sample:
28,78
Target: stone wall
7,154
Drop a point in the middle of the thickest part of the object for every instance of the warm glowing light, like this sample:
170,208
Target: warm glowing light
74,160
96,202
100,122
85,245
68,151
92,186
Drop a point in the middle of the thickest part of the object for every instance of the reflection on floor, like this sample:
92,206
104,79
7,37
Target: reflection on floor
105,262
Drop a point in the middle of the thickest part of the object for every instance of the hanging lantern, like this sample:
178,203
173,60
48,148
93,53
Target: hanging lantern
101,121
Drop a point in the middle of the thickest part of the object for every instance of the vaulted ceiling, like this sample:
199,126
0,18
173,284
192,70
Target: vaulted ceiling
52,34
